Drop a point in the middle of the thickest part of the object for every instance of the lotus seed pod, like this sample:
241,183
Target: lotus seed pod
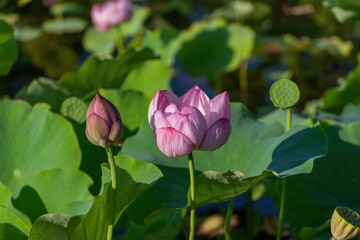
284,93
345,224
75,109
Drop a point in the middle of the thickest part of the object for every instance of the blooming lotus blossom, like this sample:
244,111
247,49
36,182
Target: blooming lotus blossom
193,121
110,13
103,123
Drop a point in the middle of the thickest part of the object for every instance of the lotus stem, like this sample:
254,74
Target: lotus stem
120,41
192,197
228,219
113,186
283,191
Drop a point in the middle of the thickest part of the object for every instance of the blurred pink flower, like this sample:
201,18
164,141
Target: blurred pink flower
103,123
110,13
49,3
193,121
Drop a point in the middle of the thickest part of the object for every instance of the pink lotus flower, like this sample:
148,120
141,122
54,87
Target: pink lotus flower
110,13
193,121
103,123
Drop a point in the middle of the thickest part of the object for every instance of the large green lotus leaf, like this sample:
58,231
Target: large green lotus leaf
334,181
351,113
136,22
109,73
74,188
214,187
50,226
133,178
161,226
97,41
7,232
336,98
230,44
152,40
13,223
158,39
26,202
45,90
92,157
33,140
149,77
8,48
132,105
169,193
65,25
252,148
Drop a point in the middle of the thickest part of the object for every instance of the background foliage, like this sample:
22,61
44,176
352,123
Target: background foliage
53,61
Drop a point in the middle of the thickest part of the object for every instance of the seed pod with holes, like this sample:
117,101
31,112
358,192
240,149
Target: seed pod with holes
345,224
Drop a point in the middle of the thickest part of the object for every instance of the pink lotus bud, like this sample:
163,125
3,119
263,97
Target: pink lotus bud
182,124
111,13
103,123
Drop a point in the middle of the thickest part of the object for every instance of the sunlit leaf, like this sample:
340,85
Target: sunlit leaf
45,90
13,223
46,141
101,42
66,25
96,73
149,77
131,183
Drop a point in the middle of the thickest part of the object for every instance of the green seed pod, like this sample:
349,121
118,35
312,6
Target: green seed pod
345,223
284,93
75,109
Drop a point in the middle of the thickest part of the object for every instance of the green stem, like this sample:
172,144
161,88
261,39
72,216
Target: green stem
192,196
113,186
249,219
283,191
228,219
281,213
288,119
120,41
243,82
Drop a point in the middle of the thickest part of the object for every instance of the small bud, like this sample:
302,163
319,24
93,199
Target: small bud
103,123
345,224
